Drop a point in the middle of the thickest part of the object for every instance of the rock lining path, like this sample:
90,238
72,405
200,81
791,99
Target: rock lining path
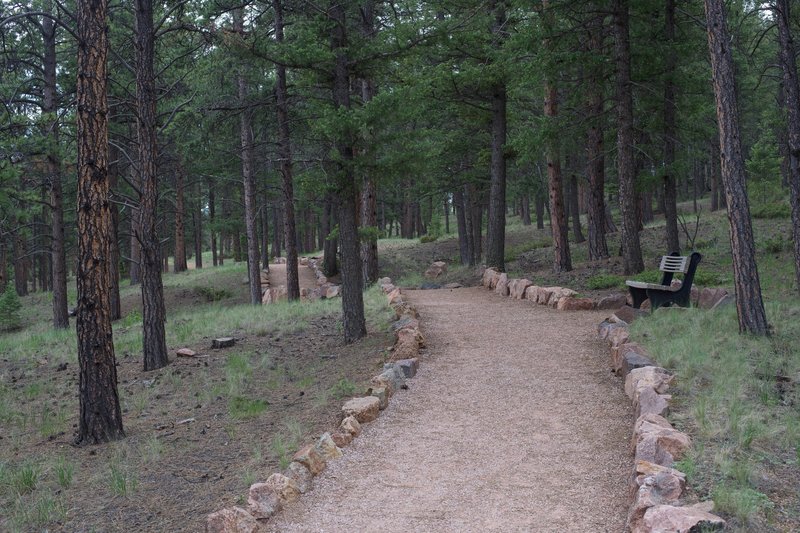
514,423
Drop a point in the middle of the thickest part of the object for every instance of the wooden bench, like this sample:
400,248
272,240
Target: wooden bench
664,293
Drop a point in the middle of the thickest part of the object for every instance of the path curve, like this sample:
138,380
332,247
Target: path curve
514,423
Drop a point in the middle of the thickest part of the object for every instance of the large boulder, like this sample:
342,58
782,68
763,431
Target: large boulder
709,297
364,409
656,441
231,520
517,288
436,269
490,278
501,287
575,304
669,518
612,301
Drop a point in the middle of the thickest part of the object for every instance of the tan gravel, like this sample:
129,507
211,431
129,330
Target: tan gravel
514,423
277,276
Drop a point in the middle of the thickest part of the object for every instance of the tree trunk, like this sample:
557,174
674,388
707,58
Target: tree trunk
792,92
153,312
20,272
749,304
463,237
353,321
211,220
100,418
248,177
115,303
595,154
277,229
264,232
180,231
57,244
631,246
670,133
369,210
285,155
574,209
197,224
330,266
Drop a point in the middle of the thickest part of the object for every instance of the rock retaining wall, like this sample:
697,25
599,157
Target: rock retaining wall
657,488
282,488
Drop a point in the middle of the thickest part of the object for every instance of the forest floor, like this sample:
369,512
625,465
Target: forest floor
513,423
199,431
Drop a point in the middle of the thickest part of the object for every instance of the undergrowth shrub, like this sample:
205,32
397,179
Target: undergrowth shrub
604,281
771,210
10,306
211,294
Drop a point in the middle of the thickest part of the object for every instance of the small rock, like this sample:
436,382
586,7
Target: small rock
285,488
342,438
394,297
262,501
309,457
660,488
489,279
656,441
61,367
327,448
223,342
632,359
409,367
185,352
231,520
649,401
351,425
452,286
710,297
612,301
382,394
363,409
301,475
396,374
530,293
405,322
668,518
654,377
725,301
517,288
436,269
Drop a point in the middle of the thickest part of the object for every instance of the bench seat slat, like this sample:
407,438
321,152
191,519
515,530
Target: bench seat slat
656,286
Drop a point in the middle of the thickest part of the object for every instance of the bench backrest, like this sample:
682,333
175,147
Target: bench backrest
673,263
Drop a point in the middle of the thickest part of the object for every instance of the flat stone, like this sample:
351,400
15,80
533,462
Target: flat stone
405,322
654,377
263,501
619,351
612,301
394,372
631,360
351,425
670,518
231,520
412,334
185,352
394,296
327,448
452,286
332,291
575,304
364,409
405,348
301,475
286,489
409,367
382,394
627,314
223,342
656,441
310,457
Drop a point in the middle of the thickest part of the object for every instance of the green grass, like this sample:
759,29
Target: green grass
242,407
605,281
731,397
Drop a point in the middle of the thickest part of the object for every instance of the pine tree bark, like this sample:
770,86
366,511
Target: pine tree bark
115,302
330,266
197,225
354,324
369,206
264,232
180,229
574,209
791,88
496,229
100,418
153,312
285,155
57,244
463,236
248,177
670,134
749,305
212,202
631,246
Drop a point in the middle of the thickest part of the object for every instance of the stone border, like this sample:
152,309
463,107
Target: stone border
656,487
281,488
559,298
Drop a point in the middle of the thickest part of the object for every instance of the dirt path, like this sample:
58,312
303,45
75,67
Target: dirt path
277,276
514,423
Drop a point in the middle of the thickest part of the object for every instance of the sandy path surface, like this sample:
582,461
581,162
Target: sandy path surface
514,423
277,276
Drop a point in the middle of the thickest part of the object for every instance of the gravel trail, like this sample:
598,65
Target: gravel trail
514,423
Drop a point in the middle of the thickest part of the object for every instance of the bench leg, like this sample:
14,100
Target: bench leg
638,295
